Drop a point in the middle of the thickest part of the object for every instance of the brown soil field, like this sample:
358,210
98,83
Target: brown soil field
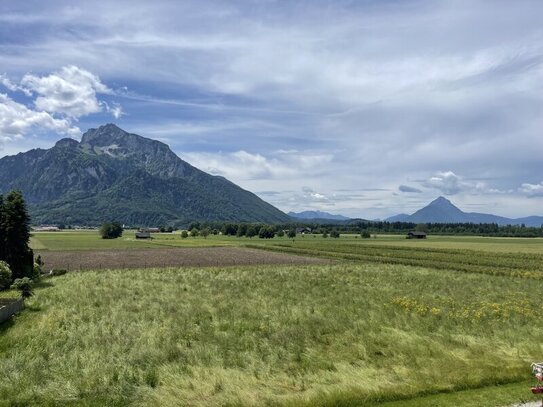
179,257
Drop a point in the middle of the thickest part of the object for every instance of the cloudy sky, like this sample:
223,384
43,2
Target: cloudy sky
364,108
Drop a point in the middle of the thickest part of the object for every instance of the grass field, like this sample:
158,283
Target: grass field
315,335
450,321
90,240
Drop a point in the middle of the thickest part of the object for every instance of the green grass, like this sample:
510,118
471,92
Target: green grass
346,334
90,240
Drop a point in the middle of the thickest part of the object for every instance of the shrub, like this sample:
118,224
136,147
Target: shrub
292,233
194,232
111,230
36,272
365,234
334,234
24,285
281,233
5,275
184,234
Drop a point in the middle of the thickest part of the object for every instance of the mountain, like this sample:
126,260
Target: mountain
442,210
115,175
306,215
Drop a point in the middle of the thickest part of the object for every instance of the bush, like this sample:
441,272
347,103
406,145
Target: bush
334,234
24,285
111,230
194,232
292,233
36,272
184,234
281,233
365,234
5,275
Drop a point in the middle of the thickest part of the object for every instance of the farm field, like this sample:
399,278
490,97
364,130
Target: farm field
338,334
90,240
447,321
74,260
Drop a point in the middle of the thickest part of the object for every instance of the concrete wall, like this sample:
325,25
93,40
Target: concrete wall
9,306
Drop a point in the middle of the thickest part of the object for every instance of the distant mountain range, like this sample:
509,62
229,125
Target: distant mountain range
442,210
311,215
115,175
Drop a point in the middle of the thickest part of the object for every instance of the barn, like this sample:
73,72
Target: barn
415,234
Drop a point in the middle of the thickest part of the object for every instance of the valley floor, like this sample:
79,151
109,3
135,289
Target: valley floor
445,331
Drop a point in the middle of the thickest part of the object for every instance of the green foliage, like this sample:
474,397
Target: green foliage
36,272
292,233
335,234
205,233
365,234
280,233
194,232
111,230
325,234
184,234
15,235
252,231
5,275
24,285
266,232
39,261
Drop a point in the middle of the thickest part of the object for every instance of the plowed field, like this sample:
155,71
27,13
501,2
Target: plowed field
185,257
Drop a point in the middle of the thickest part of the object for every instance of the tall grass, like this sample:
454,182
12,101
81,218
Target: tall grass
329,335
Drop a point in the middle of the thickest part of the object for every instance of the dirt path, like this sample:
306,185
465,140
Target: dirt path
175,257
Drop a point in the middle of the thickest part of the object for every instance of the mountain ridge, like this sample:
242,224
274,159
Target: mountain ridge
309,215
115,175
441,210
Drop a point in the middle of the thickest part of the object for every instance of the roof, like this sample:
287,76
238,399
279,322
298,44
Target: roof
417,233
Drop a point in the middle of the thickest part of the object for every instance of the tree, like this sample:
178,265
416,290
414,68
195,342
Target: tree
334,233
242,230
16,235
292,233
252,230
184,234
194,232
280,233
266,232
365,234
205,233
111,230
5,275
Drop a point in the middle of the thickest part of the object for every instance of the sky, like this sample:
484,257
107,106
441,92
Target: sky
364,108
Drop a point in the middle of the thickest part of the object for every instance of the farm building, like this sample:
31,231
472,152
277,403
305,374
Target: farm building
303,231
416,235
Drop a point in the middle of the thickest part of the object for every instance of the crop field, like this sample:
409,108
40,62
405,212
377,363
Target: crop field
74,260
450,321
341,334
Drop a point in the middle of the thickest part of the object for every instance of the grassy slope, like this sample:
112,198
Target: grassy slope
322,335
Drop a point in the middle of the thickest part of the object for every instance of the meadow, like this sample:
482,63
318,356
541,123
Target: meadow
443,322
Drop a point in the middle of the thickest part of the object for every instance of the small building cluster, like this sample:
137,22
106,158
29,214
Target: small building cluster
415,234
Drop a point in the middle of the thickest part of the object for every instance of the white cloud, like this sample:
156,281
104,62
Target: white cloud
16,120
70,91
241,165
532,190
447,182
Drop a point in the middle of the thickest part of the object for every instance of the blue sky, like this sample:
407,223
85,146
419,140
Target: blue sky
364,108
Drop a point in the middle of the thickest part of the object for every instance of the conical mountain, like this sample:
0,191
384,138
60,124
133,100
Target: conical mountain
115,175
441,210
